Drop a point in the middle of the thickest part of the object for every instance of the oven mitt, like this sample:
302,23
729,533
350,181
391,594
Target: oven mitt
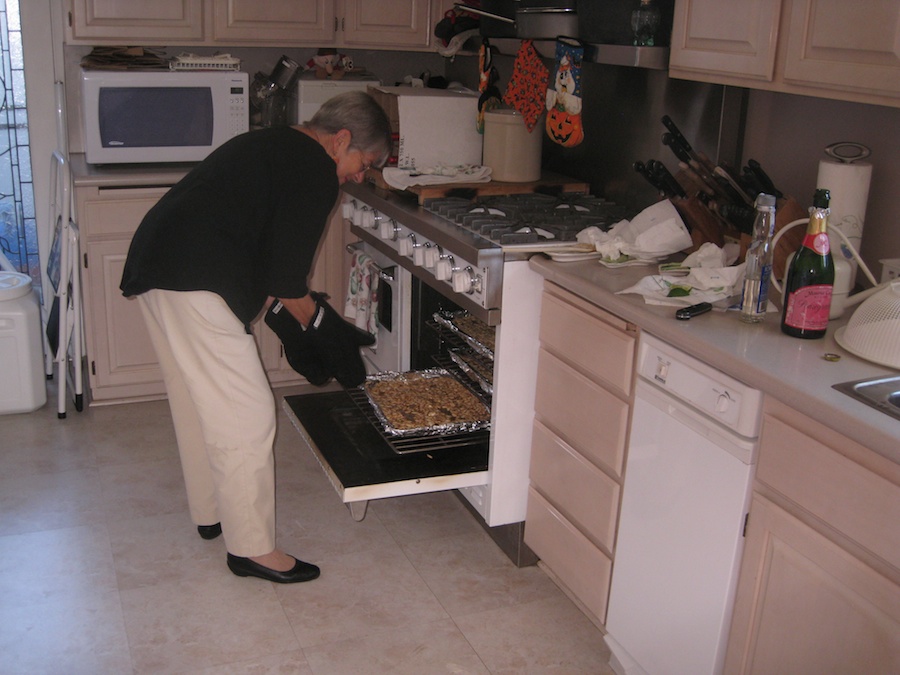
337,342
487,84
299,348
528,85
564,95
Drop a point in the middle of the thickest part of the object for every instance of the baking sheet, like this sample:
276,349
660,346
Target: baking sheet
475,368
454,321
434,402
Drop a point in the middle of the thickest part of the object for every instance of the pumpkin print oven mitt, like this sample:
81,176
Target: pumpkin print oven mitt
564,95
528,85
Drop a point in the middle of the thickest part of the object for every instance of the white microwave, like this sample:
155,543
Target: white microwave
160,116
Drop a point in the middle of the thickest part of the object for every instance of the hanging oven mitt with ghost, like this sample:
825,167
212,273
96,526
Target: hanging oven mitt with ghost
564,95
528,85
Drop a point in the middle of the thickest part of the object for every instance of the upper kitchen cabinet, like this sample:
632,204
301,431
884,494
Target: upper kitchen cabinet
98,21
825,48
277,22
725,38
389,24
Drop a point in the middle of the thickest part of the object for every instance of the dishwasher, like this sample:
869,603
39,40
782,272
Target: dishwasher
686,494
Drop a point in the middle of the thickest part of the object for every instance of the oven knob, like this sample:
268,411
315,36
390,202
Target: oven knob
443,269
464,280
419,255
407,245
359,215
388,229
432,254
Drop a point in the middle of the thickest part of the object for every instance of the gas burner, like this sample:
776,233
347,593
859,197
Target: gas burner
528,218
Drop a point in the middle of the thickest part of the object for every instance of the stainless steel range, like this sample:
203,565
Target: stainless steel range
452,253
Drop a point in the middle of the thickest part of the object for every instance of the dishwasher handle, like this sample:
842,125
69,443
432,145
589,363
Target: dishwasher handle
742,447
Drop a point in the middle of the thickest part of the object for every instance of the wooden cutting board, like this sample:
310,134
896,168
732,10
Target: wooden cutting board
549,181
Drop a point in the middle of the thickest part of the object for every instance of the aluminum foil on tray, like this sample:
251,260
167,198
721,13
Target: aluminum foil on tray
476,367
425,403
477,334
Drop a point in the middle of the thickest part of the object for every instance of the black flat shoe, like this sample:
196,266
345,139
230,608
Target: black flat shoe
244,567
210,531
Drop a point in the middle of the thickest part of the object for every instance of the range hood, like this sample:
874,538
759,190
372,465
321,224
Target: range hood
603,27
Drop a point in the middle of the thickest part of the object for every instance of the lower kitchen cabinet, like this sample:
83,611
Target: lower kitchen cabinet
819,587
121,361
582,411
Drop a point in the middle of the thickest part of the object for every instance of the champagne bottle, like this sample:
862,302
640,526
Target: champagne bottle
758,270
810,278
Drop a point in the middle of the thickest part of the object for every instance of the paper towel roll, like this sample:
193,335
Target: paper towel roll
849,187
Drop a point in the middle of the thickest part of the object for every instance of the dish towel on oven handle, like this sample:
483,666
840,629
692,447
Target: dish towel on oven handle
362,293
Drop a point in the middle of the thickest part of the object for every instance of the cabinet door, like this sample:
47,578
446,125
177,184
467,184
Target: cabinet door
728,37
123,355
805,605
282,22
845,45
402,23
128,20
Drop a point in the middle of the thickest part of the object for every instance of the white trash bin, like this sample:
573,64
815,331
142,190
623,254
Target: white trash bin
23,385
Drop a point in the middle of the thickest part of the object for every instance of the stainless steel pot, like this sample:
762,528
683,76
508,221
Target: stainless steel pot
526,19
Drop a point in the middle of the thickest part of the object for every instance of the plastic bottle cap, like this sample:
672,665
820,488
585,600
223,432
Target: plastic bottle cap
763,199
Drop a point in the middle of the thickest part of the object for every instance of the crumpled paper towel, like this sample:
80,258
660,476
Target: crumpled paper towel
436,175
654,233
705,284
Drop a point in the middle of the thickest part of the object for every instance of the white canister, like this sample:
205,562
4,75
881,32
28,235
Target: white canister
511,151
24,387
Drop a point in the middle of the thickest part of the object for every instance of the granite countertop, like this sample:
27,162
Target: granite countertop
788,369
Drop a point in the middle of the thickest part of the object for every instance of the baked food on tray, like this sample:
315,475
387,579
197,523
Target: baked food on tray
425,402
475,332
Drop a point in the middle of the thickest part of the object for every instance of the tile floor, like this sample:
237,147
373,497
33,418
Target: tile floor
101,570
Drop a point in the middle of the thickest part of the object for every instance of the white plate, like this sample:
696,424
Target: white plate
628,263
573,257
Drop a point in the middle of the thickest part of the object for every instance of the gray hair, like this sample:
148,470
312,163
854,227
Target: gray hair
360,114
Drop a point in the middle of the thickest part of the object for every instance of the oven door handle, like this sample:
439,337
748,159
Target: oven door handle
386,274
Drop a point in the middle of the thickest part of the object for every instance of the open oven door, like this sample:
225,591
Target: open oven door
362,463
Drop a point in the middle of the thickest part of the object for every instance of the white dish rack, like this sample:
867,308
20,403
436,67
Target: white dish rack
215,62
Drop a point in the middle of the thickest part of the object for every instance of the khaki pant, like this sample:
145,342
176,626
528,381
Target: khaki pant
223,410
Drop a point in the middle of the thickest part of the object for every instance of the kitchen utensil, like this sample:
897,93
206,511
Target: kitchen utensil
683,142
671,186
873,332
763,178
642,169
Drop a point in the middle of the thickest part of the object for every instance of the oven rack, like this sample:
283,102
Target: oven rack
408,444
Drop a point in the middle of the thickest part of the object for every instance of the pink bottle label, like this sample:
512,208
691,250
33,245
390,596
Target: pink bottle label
808,307
818,243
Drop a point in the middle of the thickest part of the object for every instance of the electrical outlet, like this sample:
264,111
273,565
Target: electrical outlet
890,269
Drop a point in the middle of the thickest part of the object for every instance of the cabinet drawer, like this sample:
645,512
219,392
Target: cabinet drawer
582,492
859,503
597,343
578,564
588,417
120,213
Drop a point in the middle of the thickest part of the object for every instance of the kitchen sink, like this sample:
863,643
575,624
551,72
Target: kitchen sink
881,393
